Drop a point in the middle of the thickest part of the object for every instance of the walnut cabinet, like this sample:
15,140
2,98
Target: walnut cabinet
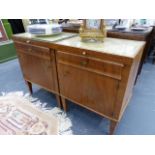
38,66
99,77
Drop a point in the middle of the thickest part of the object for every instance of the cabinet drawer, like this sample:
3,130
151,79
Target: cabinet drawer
33,49
98,66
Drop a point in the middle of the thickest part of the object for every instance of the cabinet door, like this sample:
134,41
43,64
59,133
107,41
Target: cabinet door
38,65
88,83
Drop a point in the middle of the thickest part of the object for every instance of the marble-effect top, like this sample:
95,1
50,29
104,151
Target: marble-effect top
52,38
121,47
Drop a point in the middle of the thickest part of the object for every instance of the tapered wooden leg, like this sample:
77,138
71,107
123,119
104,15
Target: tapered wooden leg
113,125
29,84
58,98
63,100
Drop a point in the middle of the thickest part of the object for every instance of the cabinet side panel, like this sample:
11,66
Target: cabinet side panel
126,85
131,82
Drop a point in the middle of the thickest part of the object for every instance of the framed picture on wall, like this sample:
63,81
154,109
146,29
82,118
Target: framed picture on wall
3,35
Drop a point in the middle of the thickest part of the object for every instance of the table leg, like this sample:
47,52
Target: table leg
113,125
63,100
29,84
58,98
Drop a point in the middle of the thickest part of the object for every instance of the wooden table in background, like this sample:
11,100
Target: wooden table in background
128,34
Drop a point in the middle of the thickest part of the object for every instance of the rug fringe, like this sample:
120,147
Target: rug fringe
64,122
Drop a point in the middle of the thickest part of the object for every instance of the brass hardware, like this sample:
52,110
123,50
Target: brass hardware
84,63
93,30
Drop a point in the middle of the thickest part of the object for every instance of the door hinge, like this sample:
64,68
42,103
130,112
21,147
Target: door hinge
117,85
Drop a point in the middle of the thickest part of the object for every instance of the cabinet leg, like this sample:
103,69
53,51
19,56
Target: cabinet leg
58,98
113,125
63,100
29,84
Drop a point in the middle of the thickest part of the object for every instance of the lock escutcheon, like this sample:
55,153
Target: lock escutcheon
66,73
84,63
29,49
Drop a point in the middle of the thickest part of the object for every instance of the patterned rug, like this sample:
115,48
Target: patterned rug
18,116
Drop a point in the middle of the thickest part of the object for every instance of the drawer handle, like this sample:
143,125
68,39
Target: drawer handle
28,41
84,63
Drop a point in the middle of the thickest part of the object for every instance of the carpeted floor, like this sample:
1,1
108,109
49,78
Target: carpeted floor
137,119
22,114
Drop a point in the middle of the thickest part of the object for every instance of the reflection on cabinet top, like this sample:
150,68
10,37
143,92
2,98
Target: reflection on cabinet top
120,47
112,46
52,38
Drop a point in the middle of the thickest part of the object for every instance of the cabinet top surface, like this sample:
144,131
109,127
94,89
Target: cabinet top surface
52,38
121,47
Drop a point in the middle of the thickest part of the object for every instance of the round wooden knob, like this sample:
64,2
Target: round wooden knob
84,53
28,41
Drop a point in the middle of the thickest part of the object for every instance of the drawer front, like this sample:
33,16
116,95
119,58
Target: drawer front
33,49
98,66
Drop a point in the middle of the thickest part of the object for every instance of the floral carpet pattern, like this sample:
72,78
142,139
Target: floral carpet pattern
18,116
